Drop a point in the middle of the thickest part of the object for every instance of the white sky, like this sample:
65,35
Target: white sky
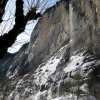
9,21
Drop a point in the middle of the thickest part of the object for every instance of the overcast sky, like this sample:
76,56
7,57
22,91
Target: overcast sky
9,22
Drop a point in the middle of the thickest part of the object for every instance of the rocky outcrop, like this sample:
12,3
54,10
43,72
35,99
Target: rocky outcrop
86,24
61,60
49,35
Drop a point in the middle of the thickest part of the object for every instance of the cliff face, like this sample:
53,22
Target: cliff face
62,59
50,34
86,24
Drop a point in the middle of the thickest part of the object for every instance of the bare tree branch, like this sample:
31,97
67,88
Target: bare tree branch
9,38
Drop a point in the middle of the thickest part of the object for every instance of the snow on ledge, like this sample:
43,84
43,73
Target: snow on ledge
48,68
75,63
42,73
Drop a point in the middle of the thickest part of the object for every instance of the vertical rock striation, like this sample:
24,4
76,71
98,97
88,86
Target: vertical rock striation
62,59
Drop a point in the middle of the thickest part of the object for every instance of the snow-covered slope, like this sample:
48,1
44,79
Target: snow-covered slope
58,78
62,59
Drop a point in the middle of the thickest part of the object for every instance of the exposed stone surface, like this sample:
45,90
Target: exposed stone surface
62,57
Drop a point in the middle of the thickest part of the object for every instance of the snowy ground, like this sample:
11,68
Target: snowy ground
70,97
81,63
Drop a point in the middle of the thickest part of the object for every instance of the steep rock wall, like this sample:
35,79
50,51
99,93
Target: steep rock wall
55,26
50,34
86,22
43,69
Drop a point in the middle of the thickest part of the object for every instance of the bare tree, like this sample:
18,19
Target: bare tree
21,20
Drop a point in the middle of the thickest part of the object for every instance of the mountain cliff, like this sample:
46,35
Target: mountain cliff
62,59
